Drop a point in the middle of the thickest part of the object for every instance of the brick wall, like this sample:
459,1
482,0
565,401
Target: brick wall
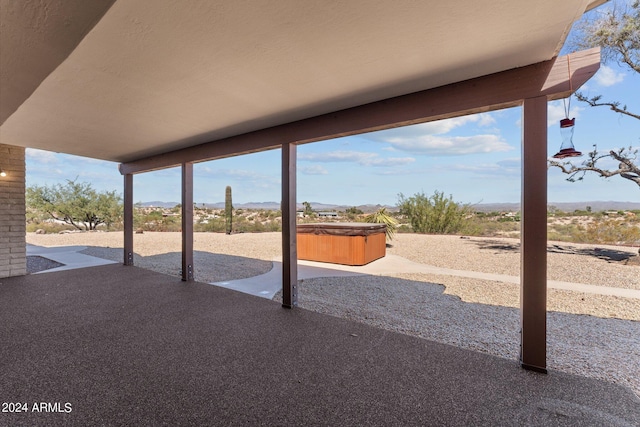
13,259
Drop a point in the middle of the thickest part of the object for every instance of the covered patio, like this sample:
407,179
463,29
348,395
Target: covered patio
127,346
165,86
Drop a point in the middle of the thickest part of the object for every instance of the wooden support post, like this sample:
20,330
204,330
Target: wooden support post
289,240
187,221
128,219
533,275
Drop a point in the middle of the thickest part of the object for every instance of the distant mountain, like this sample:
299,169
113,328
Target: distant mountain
157,204
317,206
596,206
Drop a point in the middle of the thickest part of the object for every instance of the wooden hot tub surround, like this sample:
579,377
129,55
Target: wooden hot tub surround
348,243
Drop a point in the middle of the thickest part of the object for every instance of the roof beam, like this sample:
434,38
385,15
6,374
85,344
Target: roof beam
555,79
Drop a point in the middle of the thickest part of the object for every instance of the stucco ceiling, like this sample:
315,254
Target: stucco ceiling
151,77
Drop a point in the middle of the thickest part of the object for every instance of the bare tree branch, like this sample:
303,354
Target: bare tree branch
626,169
617,31
614,106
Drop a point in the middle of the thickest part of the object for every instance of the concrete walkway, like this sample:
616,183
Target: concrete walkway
70,256
268,284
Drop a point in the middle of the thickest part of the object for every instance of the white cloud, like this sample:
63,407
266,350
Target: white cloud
500,169
485,119
607,76
360,157
429,138
442,126
556,112
40,156
240,175
399,172
393,161
434,128
313,170
450,146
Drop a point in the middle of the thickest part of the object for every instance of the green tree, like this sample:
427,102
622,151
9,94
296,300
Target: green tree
616,30
76,203
308,211
353,211
435,214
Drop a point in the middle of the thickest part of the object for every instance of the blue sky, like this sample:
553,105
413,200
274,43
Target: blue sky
476,159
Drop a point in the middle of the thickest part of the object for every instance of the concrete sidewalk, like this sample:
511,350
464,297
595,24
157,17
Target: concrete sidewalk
70,256
268,284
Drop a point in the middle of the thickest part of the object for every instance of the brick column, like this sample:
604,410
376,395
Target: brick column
13,246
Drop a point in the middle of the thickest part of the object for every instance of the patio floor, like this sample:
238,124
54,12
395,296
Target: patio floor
115,345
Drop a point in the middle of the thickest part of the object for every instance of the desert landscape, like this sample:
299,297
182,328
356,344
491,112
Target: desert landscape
589,333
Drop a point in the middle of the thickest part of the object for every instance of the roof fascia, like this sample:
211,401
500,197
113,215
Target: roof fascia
594,4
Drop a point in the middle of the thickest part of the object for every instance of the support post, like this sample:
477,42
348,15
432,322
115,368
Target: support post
128,219
533,255
187,222
289,240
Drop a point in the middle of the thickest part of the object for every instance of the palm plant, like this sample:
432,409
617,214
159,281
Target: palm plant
381,216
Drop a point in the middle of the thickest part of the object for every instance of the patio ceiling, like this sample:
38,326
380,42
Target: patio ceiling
135,78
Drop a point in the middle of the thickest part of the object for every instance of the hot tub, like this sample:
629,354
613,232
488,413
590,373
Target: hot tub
348,243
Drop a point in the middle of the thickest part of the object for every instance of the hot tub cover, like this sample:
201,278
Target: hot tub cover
341,228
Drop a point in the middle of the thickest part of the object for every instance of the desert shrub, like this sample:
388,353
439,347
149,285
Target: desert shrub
473,227
275,214
48,227
484,226
433,214
572,232
404,228
155,220
256,226
212,225
612,231
509,218
250,227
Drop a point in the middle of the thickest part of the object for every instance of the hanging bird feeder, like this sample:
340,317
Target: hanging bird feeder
566,131
566,126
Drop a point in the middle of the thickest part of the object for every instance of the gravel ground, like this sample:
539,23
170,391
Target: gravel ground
568,262
217,257
37,263
588,334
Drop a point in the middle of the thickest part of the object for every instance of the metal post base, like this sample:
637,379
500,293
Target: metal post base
533,368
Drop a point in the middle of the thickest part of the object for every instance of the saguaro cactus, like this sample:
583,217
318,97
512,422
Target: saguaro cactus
228,210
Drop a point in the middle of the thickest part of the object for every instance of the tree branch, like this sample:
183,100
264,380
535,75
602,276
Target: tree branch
631,167
627,59
626,169
614,106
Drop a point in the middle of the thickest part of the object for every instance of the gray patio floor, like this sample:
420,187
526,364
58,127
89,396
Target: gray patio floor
127,346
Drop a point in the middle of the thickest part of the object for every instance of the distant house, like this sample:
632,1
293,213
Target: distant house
328,214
